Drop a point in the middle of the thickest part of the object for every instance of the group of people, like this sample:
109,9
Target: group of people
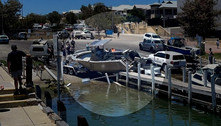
68,47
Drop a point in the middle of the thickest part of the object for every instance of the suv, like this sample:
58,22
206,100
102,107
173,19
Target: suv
172,59
151,45
152,36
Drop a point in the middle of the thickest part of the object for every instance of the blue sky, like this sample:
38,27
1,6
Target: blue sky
47,6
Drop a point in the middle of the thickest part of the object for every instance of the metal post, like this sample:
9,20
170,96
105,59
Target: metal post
139,78
213,91
169,83
29,81
166,72
205,78
153,78
58,65
127,74
189,87
108,80
184,74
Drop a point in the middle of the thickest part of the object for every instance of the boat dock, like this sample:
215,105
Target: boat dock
192,94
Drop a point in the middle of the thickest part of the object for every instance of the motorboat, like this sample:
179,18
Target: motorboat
176,44
198,79
99,59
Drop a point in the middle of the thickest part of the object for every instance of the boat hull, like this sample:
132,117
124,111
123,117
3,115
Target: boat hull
111,66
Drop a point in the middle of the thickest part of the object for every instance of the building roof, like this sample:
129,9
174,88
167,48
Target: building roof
169,4
75,11
155,4
145,7
122,7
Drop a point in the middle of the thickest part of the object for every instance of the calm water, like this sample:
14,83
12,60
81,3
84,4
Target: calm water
104,105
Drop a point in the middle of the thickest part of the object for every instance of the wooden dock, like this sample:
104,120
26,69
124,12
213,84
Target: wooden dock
177,85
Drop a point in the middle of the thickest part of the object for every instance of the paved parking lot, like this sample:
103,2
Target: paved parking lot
123,42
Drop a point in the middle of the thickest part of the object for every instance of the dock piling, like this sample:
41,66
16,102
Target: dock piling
166,72
139,78
205,78
213,91
153,79
117,77
127,74
169,83
184,74
189,87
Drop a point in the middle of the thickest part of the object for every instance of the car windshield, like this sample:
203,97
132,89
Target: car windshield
156,36
157,42
178,57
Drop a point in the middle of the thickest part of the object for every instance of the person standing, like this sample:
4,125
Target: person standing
210,56
217,43
118,34
14,62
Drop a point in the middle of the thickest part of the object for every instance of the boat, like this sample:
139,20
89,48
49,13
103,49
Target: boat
99,59
176,44
198,79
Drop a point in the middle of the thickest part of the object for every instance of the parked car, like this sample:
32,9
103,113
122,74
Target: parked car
63,34
22,35
4,39
151,45
172,59
152,36
83,34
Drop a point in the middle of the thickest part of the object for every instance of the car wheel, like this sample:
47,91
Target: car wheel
151,49
71,72
141,48
65,70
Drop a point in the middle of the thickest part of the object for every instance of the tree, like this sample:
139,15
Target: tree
198,17
100,8
137,14
54,17
86,12
103,21
1,17
32,18
10,10
71,18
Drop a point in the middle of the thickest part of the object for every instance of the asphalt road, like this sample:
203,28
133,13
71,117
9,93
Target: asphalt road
123,42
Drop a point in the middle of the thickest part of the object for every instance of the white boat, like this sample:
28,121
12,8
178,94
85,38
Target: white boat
101,60
198,79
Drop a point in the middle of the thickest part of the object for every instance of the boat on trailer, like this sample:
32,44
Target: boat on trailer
99,59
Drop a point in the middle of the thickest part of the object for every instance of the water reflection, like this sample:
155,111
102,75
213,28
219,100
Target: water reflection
110,99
